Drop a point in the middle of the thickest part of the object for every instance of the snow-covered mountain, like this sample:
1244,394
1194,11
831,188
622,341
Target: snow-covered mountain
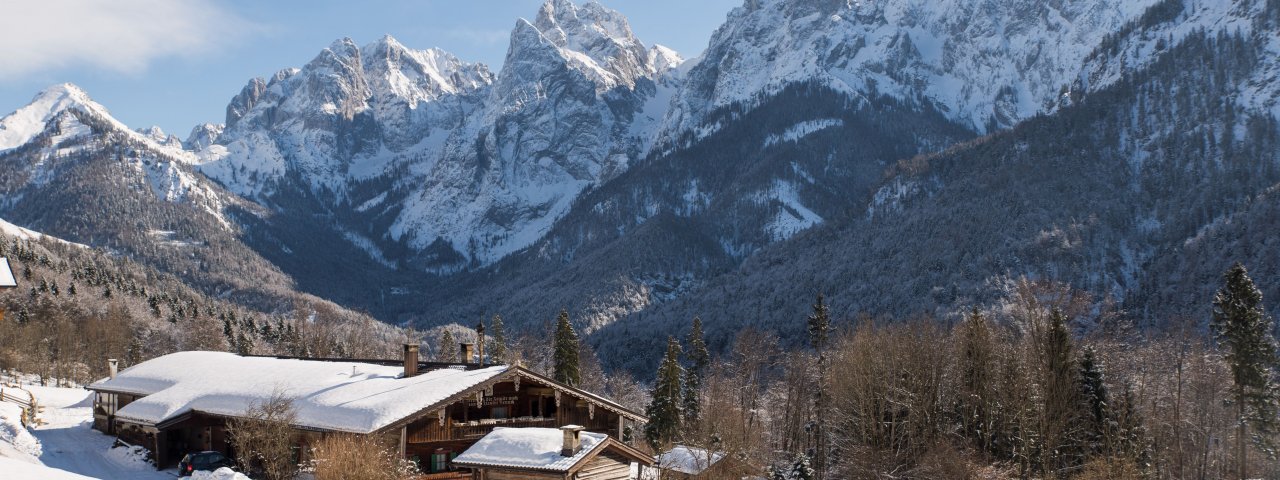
468,164
74,172
811,141
38,142
986,64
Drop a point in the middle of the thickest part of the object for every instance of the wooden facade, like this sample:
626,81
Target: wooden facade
431,437
434,437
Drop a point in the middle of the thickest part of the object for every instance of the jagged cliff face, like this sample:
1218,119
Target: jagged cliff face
340,118
986,64
469,165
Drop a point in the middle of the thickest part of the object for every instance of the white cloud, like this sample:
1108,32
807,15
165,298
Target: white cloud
123,36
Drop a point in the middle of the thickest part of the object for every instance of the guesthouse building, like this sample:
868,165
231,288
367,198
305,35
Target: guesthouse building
429,412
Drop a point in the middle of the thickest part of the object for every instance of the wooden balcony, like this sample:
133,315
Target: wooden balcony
432,431
445,476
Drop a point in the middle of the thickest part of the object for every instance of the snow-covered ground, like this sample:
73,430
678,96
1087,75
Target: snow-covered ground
63,446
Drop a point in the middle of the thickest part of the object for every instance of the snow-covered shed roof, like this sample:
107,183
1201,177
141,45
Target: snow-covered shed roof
340,396
528,448
688,460
6,274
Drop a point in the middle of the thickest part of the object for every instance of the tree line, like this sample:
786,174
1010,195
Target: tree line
1016,390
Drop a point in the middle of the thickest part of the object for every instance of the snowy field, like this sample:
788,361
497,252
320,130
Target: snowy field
63,446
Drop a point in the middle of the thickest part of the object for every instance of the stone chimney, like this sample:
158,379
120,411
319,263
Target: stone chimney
410,360
113,367
572,440
467,351
480,343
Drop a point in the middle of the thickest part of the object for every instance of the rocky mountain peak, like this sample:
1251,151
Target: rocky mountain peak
591,38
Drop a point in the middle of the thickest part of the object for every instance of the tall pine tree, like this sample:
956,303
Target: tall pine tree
699,359
1098,421
499,334
1062,403
664,411
565,356
977,363
1243,329
819,327
447,349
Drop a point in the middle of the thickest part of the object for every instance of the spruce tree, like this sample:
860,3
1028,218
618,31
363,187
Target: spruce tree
664,410
565,355
699,359
819,325
977,363
499,333
1094,390
1243,329
447,349
1062,404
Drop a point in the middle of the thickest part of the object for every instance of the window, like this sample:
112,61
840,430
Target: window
440,461
499,412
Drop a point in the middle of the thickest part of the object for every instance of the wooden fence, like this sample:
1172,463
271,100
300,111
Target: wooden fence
21,398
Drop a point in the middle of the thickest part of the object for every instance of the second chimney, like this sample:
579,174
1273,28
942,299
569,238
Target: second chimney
572,440
113,367
410,360
467,352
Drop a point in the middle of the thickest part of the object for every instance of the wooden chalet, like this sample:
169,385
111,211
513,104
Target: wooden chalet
430,412
567,453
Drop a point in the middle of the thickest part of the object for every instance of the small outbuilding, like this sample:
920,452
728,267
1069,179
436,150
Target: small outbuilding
549,453
684,462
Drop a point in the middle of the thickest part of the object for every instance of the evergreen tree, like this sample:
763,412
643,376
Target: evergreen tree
1094,392
819,325
565,355
106,292
664,410
499,335
447,349
977,363
1061,403
1243,329
71,289
699,359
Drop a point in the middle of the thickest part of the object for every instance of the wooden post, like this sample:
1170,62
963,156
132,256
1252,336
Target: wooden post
404,439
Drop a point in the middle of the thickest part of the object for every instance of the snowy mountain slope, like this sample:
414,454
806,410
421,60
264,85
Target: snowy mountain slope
987,64
63,121
456,166
83,176
342,115
1139,195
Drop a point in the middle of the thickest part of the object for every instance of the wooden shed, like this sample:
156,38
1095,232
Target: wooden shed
547,453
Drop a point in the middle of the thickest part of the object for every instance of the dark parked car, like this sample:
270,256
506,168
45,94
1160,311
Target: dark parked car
205,461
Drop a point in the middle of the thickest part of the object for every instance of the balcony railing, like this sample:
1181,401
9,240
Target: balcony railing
434,432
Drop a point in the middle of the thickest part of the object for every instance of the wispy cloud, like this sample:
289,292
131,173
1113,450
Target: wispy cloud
122,36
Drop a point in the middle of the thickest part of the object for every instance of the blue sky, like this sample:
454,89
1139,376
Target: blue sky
176,63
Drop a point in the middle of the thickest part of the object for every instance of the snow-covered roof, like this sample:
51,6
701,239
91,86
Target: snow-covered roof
528,448
688,460
341,396
6,274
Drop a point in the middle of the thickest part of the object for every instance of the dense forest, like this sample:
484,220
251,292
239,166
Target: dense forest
1019,390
